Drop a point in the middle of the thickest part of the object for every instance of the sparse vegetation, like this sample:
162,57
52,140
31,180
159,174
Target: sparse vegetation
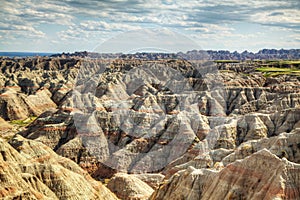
283,62
226,61
275,71
24,122
279,67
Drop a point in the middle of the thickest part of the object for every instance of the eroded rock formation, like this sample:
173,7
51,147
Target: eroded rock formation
128,187
186,130
31,170
261,175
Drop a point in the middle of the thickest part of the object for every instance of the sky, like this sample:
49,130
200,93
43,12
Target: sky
179,25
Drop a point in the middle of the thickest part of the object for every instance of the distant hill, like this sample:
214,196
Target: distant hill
24,54
264,54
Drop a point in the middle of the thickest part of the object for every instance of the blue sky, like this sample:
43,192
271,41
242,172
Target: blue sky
76,25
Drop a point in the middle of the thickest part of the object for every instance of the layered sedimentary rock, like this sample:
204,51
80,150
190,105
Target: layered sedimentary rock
31,170
262,175
4,125
153,180
31,86
129,187
181,124
17,106
110,108
285,145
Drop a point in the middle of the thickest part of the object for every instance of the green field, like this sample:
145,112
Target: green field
281,63
226,61
284,62
275,71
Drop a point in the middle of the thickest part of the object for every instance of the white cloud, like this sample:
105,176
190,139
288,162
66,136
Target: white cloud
104,26
14,31
93,20
281,17
145,39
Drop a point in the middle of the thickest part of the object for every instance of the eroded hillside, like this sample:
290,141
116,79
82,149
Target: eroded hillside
184,128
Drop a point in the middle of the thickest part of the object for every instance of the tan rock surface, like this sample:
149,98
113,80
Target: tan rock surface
129,187
242,179
153,180
31,170
4,125
285,145
128,121
17,106
140,141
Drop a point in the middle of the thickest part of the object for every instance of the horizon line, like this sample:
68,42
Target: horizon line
69,52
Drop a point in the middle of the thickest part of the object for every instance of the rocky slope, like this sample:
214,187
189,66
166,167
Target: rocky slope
184,128
31,170
31,86
4,125
128,187
262,175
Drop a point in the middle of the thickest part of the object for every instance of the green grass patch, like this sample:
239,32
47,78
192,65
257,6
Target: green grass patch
281,63
24,122
226,61
276,71
284,62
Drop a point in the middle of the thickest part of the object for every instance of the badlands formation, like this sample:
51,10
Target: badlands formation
80,128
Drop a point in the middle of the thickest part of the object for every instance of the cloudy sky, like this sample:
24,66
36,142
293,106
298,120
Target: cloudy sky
76,25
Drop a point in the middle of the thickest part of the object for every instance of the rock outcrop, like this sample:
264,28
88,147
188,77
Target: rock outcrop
153,180
4,125
285,145
188,130
129,187
123,117
242,179
17,106
31,86
31,170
